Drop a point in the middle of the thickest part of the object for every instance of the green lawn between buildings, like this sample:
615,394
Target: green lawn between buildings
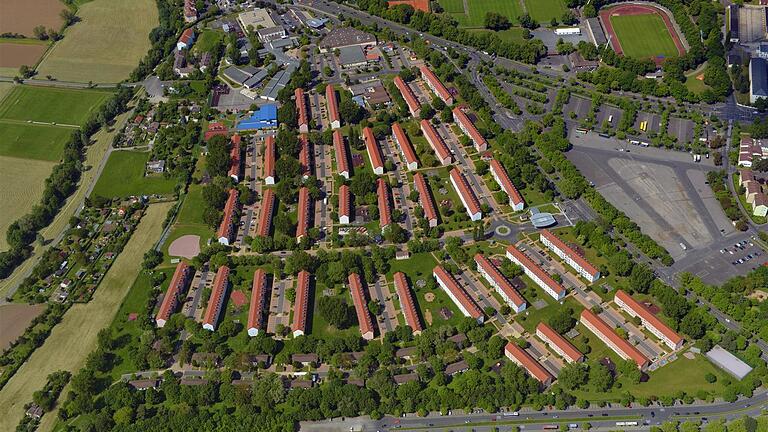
124,176
643,36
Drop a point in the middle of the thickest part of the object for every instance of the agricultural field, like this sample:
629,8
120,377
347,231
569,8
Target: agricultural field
33,141
544,10
17,52
76,336
643,36
22,16
23,183
106,45
14,318
51,105
124,176
474,14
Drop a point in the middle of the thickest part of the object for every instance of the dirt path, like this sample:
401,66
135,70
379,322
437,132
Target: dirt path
75,337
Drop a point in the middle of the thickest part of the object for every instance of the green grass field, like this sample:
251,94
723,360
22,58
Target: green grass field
515,34
51,105
643,36
474,16
544,10
31,141
106,45
124,175
23,185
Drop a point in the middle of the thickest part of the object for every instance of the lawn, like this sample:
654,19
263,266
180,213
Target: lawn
33,141
51,105
23,183
75,337
474,16
695,85
207,41
124,176
514,34
544,10
643,36
106,45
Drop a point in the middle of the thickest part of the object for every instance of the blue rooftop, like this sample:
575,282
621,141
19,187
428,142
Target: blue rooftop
263,118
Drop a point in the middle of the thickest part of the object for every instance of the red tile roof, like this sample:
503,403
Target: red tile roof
425,197
344,201
304,210
533,367
218,293
258,297
302,302
589,268
187,35
234,157
405,144
361,306
571,353
538,271
465,191
434,140
225,227
506,184
639,309
605,332
406,302
333,105
458,292
410,99
269,157
477,138
305,155
500,280
385,212
374,151
178,283
440,89
267,210
342,155
214,129
301,106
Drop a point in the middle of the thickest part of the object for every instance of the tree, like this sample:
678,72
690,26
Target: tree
152,258
527,22
40,32
218,159
350,112
496,21
562,322
573,376
68,16
600,377
335,311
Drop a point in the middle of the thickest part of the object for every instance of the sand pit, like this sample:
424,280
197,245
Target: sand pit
187,246
429,297
14,319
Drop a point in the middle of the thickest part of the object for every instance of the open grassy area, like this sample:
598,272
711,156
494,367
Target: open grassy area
695,85
124,176
106,45
23,183
514,34
643,36
75,337
474,15
544,10
207,40
33,141
51,105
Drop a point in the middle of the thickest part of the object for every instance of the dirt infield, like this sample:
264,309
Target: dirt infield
187,246
14,318
13,55
21,16
637,9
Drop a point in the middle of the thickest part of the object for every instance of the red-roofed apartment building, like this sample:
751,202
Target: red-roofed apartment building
521,358
425,199
469,129
536,273
258,301
342,155
448,283
500,283
269,160
414,107
406,149
558,343
214,129
345,205
227,226
235,162
570,256
436,85
302,110
305,210
648,320
385,211
333,107
436,142
265,216
361,306
407,304
466,194
305,156
619,345
301,304
502,178
186,40
374,151
216,302
175,290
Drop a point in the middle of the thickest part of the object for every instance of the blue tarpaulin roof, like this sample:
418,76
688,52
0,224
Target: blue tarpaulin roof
263,118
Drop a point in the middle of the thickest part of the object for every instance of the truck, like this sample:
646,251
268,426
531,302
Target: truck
626,423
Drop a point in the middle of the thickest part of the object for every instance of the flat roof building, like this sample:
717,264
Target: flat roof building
301,304
333,107
175,290
255,18
341,37
271,33
460,298
521,358
305,156
500,283
407,304
502,178
265,215
436,85
758,78
361,306
729,362
342,155
536,273
384,199
406,148
374,151
345,205
558,343
619,345
352,57
570,256
414,107
227,227
263,118
469,129
258,301
269,160
466,194
216,302
733,20
302,110
426,200
436,142
648,320
304,211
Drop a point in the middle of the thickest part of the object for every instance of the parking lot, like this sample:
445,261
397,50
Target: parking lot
653,125
682,129
578,105
609,112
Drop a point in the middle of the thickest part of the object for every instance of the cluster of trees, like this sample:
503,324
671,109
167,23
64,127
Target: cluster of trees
726,199
163,38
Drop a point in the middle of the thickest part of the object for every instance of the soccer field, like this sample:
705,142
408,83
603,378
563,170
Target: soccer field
544,10
51,105
643,36
474,15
